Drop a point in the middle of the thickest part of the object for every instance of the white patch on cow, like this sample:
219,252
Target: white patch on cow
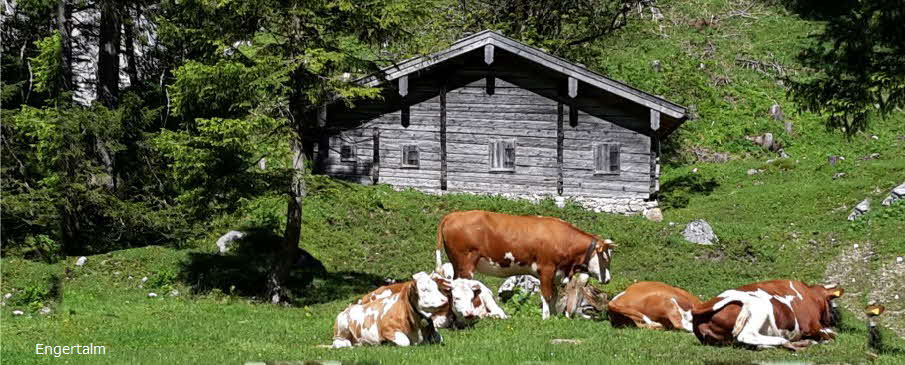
388,303
756,316
447,271
534,267
384,294
400,339
430,298
594,268
490,267
607,277
509,256
617,296
795,290
439,257
685,315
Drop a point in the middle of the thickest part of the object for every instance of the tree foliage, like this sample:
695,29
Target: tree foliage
859,64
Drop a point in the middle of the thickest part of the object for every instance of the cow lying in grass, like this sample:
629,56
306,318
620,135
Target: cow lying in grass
785,313
653,305
401,317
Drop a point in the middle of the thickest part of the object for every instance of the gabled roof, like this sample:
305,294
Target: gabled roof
535,55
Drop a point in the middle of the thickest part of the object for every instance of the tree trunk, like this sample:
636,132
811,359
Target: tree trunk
64,26
289,250
129,30
108,55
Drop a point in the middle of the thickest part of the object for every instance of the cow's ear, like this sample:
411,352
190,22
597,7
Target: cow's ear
833,291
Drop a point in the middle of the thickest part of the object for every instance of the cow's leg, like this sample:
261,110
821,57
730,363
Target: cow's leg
680,318
547,291
400,339
341,333
640,319
758,317
464,265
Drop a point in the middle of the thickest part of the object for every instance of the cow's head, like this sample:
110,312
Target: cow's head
430,298
830,316
598,259
466,300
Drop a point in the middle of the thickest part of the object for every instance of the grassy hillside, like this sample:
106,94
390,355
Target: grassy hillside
787,221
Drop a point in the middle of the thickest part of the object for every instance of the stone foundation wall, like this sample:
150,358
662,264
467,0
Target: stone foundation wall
624,206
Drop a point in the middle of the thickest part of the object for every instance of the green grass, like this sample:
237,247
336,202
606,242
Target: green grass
787,222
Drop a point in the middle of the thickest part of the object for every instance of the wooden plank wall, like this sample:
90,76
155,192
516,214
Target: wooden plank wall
578,160
473,120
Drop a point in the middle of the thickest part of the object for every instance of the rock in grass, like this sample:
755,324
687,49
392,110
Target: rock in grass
44,311
897,193
654,214
226,240
7,295
700,232
776,112
860,209
152,295
81,261
18,312
753,172
838,175
527,283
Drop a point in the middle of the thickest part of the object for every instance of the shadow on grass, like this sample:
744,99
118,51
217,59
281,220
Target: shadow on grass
243,272
677,192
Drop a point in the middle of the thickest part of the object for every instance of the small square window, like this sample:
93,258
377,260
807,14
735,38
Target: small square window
411,158
347,153
502,156
607,158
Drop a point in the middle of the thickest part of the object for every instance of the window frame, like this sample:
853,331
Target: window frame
406,148
607,149
500,145
353,152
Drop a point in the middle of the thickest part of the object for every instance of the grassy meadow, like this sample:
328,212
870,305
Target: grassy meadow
786,221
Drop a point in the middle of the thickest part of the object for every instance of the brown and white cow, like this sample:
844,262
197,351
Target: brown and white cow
402,317
785,313
505,245
467,301
653,305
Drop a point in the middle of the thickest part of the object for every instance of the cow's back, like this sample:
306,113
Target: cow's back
495,234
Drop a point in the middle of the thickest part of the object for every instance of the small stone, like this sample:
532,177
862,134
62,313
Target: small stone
813,242
18,312
152,295
672,223
654,214
81,261
875,137
7,295
116,273
757,183
700,232
776,112
788,127
44,311
655,65
794,235
753,172
783,154
899,260
860,209
694,170
838,175
856,246
144,279
130,277
227,240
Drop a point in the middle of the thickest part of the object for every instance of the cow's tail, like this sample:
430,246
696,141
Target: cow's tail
440,244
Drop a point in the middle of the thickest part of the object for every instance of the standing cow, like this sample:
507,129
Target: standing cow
653,305
505,245
785,313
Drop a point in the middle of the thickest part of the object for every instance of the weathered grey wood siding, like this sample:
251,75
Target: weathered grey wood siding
474,120
579,179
